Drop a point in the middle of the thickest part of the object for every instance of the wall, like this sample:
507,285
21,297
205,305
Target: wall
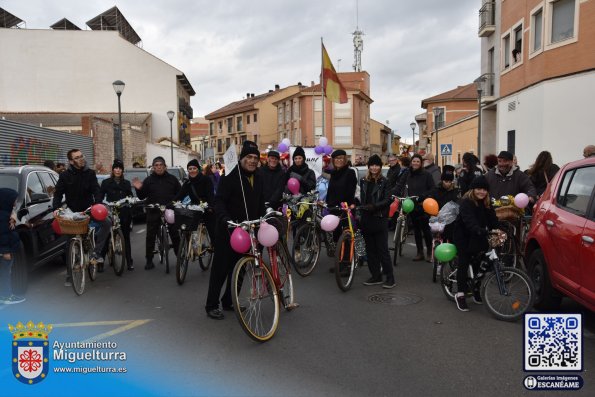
463,138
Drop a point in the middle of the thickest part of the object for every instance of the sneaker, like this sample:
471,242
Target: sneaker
477,298
215,314
389,283
13,299
373,281
461,302
68,282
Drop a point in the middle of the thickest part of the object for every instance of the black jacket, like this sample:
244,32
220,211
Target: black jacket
466,177
9,239
419,183
274,182
159,189
539,179
80,187
199,189
380,197
399,188
113,190
341,187
393,175
229,201
443,196
305,175
472,226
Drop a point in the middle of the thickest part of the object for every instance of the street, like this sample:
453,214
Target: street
369,341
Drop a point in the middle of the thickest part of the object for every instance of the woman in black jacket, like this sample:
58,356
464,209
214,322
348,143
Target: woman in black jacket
300,171
375,200
542,172
476,218
113,189
420,183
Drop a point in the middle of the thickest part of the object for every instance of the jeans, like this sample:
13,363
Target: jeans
5,275
102,232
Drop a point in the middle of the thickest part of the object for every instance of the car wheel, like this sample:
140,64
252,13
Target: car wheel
20,272
546,298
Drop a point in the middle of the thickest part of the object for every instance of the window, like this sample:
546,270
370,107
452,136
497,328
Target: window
506,51
255,139
517,52
318,105
255,118
220,125
239,123
537,31
562,20
247,119
342,110
219,145
342,135
48,182
34,188
318,131
229,122
438,117
576,190
227,143
296,110
280,115
511,138
211,128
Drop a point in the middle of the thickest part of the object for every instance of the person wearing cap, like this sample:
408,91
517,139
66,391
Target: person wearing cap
446,190
420,183
507,179
300,171
476,218
115,188
432,168
273,179
343,182
158,188
471,169
375,200
239,198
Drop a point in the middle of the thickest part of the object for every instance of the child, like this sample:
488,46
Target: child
9,244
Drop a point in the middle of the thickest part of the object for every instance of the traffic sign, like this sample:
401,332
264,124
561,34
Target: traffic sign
446,149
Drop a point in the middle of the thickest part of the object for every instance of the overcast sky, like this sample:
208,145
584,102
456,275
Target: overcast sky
413,49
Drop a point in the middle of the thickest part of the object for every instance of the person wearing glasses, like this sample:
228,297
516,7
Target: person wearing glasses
78,184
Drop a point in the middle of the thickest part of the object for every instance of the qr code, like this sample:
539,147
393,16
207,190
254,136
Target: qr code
553,342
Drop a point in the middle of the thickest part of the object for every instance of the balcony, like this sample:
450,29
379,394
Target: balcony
489,92
487,19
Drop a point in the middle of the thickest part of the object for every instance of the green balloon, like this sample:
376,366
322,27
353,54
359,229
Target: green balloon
408,206
445,252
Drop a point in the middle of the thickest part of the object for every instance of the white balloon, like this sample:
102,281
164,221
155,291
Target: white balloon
286,141
323,141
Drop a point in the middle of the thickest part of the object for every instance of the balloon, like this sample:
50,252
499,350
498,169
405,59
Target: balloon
319,149
431,206
293,185
445,252
521,200
283,147
170,216
99,212
267,235
408,205
56,227
394,207
240,240
328,149
323,141
329,223
286,141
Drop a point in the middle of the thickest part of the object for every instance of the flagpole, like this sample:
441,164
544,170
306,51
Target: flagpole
322,85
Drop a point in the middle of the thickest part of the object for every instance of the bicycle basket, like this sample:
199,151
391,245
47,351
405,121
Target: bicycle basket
190,218
508,213
497,239
70,226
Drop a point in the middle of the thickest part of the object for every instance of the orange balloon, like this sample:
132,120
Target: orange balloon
431,206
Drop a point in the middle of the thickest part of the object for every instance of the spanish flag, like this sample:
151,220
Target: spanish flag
333,89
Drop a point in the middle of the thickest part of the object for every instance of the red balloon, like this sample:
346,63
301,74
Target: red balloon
99,212
394,207
56,227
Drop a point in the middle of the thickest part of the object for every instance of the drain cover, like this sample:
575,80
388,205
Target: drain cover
398,298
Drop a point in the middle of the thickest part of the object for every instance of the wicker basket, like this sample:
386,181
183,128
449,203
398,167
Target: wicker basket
69,226
508,213
189,218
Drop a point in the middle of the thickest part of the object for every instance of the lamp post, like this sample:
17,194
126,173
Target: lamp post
170,115
479,84
412,125
118,88
437,113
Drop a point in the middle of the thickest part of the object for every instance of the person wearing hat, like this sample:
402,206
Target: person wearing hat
300,171
507,179
273,179
240,197
375,200
471,169
476,218
342,183
116,188
158,188
446,190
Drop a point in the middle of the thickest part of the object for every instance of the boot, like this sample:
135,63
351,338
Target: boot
419,257
429,256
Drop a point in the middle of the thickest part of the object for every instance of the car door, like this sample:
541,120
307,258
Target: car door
50,240
587,251
36,202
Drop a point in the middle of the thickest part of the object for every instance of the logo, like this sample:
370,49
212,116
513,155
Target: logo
30,351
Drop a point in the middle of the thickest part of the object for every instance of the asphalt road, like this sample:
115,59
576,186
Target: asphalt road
335,344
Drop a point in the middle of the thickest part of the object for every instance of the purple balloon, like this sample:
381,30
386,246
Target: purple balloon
283,147
328,149
319,150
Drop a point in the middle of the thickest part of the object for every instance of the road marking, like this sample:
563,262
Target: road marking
128,324
141,231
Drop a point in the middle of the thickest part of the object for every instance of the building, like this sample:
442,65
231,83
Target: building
537,76
68,70
381,139
199,137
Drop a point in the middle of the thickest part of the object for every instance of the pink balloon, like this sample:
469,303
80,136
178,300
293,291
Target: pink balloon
169,216
267,235
240,240
293,185
521,200
329,223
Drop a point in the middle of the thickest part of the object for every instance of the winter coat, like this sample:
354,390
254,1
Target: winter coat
443,196
539,179
229,201
114,190
159,189
399,188
419,183
9,239
274,182
304,175
513,183
472,226
379,197
466,177
80,187
434,170
199,189
341,187
393,175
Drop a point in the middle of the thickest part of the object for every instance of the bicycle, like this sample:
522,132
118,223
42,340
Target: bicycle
401,230
195,242
350,251
116,251
437,228
256,290
516,225
162,241
507,292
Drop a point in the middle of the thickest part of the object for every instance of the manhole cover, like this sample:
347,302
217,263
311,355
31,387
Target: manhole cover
398,298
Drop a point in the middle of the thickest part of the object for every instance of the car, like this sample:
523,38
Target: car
362,171
560,245
39,243
178,172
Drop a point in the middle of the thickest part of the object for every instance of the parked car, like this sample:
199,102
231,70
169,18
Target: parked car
178,172
362,171
560,244
35,186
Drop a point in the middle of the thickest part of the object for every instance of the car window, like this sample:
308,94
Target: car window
50,186
576,190
34,187
9,181
131,174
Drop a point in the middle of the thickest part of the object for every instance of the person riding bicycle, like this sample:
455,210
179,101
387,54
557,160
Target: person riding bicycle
199,189
375,201
507,179
116,188
78,184
300,171
158,188
230,205
476,218
273,179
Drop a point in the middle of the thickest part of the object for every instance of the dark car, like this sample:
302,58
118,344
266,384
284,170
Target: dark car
35,186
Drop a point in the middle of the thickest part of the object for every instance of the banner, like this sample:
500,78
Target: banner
313,160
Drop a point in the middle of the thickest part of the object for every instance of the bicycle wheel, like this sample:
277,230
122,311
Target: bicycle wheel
397,241
285,281
435,268
91,268
183,255
205,259
517,297
255,298
448,279
117,252
159,245
75,262
344,261
306,249
165,248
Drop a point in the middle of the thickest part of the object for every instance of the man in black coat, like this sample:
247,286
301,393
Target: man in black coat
238,200
158,188
393,172
273,179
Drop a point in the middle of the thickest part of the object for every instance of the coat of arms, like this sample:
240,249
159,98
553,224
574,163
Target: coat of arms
30,351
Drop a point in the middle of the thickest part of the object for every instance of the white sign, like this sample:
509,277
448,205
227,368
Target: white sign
230,159
313,160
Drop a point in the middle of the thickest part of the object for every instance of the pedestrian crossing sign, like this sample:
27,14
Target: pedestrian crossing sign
446,149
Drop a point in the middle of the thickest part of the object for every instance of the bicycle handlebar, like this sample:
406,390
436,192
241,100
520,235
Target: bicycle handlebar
202,207
125,201
248,224
402,198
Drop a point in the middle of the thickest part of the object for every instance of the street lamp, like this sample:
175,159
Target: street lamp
412,125
170,115
119,88
437,113
479,84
